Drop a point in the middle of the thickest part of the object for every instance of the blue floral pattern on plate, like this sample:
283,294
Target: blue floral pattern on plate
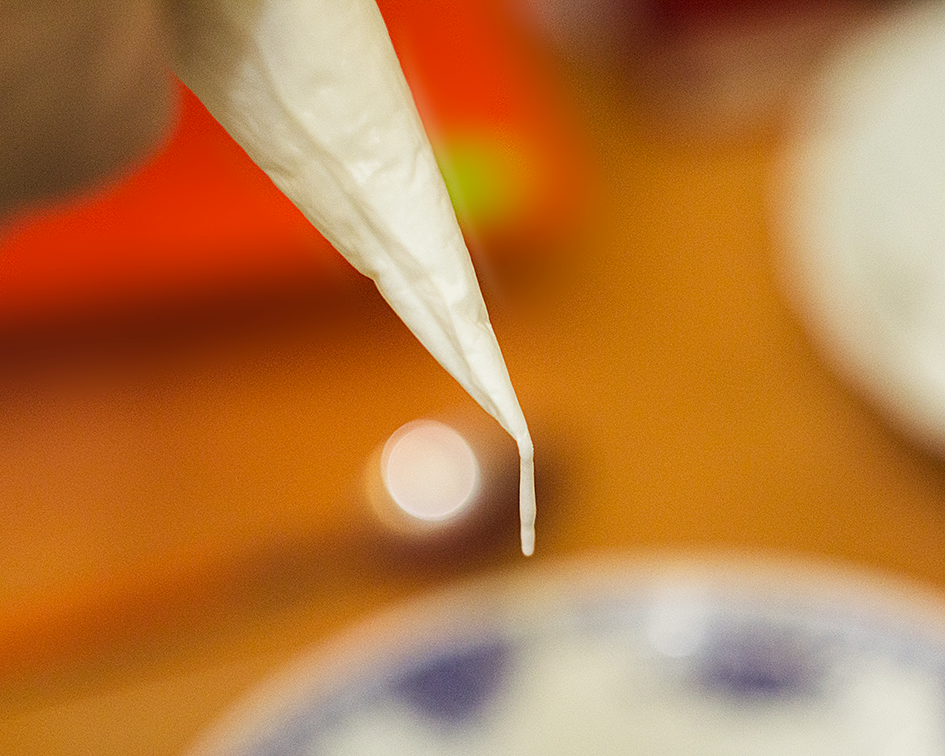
637,672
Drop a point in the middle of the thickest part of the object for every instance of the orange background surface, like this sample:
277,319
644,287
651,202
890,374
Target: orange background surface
181,501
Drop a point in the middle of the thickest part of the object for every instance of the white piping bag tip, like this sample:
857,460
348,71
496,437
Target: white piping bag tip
313,91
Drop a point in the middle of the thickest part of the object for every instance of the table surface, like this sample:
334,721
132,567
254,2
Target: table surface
181,512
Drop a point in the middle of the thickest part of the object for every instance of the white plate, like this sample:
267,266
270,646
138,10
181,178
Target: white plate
658,658
864,209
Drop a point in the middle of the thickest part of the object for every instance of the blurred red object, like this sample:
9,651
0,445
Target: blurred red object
200,220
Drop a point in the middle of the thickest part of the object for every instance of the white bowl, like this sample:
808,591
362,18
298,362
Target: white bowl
863,208
651,657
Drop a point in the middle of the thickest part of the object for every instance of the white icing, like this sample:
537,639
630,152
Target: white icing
313,91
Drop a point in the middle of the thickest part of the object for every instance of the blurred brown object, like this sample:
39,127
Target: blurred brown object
721,66
85,90
732,65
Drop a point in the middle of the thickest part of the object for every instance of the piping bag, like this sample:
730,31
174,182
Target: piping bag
313,91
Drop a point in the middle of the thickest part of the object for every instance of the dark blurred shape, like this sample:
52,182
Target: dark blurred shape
590,27
760,663
454,687
721,66
84,92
